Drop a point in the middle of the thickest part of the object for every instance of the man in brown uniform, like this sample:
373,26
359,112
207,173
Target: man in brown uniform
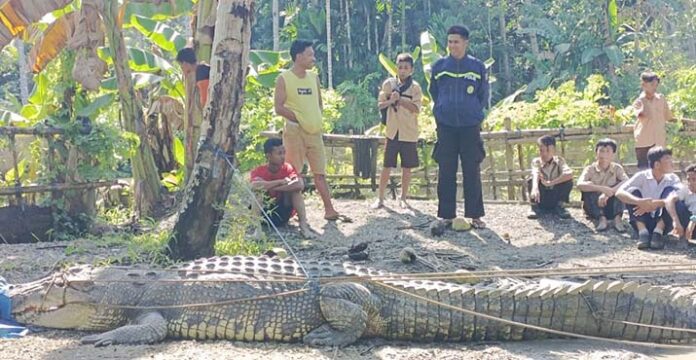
652,113
599,182
401,97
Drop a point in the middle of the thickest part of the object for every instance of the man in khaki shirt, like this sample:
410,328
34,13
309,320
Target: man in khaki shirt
598,184
551,181
401,97
652,113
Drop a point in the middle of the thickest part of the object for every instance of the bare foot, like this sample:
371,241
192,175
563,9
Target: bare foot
331,214
378,204
404,204
602,225
307,232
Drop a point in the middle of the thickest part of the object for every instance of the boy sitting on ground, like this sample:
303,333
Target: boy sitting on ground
282,186
598,184
551,181
645,196
681,206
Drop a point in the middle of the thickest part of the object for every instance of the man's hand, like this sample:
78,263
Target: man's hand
645,206
608,192
639,107
394,97
602,201
534,196
678,231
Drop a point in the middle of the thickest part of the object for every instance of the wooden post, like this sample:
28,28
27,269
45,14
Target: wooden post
508,158
426,170
15,166
374,146
522,167
492,170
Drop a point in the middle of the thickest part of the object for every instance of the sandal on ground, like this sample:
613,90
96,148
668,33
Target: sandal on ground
341,217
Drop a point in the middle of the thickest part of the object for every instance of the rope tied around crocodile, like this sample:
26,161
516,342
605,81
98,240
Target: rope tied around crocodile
540,328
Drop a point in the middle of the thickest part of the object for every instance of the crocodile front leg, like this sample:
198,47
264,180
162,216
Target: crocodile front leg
346,307
149,328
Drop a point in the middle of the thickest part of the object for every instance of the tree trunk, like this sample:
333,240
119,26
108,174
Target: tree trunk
145,176
403,26
329,54
367,17
276,25
376,38
388,29
489,32
193,120
350,39
200,213
506,56
23,73
609,40
205,26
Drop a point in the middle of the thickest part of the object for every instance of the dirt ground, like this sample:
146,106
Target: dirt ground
511,241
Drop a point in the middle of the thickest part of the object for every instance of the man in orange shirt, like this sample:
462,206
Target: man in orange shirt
652,113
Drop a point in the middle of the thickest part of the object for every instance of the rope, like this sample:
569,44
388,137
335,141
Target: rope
441,276
533,327
594,312
219,153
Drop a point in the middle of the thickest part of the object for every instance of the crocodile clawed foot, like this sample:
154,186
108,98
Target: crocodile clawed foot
98,340
327,336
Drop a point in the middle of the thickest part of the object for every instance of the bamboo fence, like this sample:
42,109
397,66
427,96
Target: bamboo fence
505,169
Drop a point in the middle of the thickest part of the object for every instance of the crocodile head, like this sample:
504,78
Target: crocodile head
60,300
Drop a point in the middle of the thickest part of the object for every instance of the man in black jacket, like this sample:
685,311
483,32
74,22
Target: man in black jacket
459,89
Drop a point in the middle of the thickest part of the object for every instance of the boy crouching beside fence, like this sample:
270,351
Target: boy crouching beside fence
551,181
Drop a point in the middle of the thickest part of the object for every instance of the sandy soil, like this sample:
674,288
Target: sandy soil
511,241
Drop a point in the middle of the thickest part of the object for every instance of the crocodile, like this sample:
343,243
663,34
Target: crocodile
325,303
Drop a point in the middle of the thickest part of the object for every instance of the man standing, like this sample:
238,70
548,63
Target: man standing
401,98
298,100
652,113
459,88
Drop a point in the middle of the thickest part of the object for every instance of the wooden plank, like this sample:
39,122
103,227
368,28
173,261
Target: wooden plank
27,189
508,159
36,131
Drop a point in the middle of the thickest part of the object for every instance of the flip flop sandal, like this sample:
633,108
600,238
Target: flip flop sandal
478,224
341,217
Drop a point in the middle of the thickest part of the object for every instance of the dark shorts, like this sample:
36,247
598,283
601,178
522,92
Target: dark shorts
408,151
279,212
642,157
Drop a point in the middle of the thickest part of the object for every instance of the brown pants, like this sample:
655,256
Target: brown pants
642,157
